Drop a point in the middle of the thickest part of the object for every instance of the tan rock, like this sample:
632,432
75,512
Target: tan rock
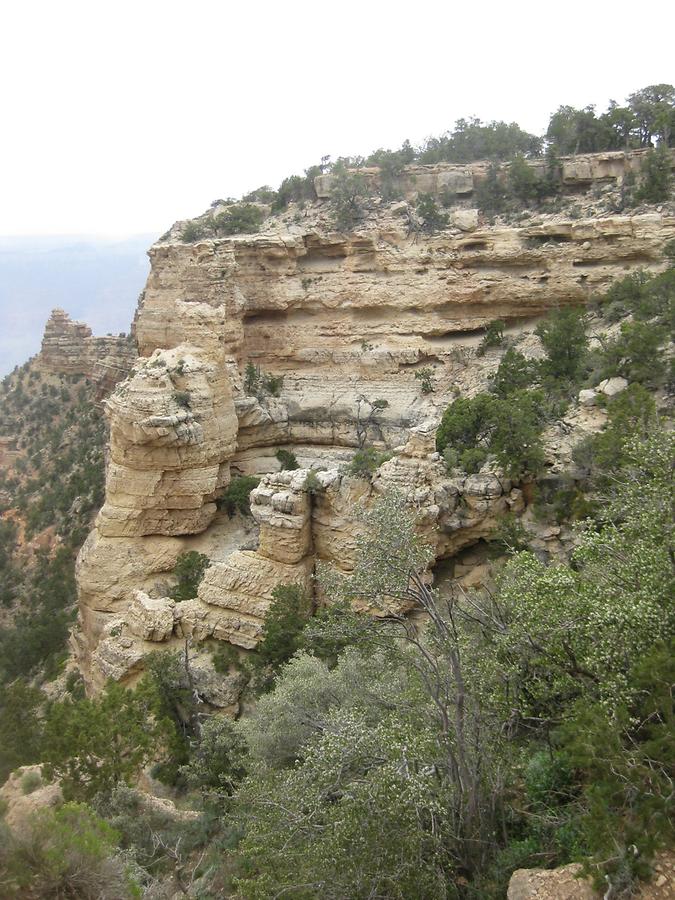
150,619
24,793
550,884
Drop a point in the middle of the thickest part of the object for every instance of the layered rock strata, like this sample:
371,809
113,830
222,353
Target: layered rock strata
70,348
341,323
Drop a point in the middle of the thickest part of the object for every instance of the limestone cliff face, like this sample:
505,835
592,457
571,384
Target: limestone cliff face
70,348
346,320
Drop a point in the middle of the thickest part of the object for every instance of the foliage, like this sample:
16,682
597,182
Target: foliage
348,193
365,461
287,459
259,384
21,733
509,428
193,231
491,193
188,571
656,180
631,415
424,376
493,337
219,761
243,218
472,140
92,744
515,373
236,497
431,217
628,760
68,852
284,622
636,353
563,336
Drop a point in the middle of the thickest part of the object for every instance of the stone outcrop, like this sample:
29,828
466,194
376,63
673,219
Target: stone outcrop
565,883
70,348
342,322
441,179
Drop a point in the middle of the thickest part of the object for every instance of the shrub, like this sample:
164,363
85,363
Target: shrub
432,218
656,180
287,459
348,193
636,354
69,852
30,781
219,761
365,461
189,571
193,231
515,373
244,218
563,336
491,195
284,622
493,337
424,376
236,496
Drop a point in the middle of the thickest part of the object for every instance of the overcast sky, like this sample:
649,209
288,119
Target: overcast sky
122,117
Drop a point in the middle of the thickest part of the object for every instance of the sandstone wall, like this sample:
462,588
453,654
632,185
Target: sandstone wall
69,348
346,319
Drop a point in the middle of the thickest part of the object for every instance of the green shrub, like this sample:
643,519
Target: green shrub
493,337
656,180
424,376
515,373
563,336
432,218
30,781
236,496
491,194
287,459
244,218
365,461
68,852
188,571
636,354
284,622
348,194
193,231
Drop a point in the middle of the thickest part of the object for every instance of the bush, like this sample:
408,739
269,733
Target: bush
515,373
69,852
281,634
493,337
424,376
244,218
636,354
193,231
365,461
656,181
432,218
30,781
189,571
563,336
236,496
287,459
348,194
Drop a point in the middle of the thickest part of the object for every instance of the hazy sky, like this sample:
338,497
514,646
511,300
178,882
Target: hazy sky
121,117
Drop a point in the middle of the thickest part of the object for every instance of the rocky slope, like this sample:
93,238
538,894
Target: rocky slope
346,320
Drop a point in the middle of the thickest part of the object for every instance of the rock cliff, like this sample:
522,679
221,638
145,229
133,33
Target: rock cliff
333,328
70,348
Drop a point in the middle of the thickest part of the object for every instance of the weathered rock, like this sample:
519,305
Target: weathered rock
550,884
588,397
150,619
69,348
610,387
24,793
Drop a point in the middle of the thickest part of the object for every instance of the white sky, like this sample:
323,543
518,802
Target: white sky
121,117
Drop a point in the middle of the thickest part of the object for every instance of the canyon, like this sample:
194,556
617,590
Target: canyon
341,324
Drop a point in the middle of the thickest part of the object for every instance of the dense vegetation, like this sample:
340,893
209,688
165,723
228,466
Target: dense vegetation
49,495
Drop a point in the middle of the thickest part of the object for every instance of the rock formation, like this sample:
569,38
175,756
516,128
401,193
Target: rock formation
341,322
69,348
